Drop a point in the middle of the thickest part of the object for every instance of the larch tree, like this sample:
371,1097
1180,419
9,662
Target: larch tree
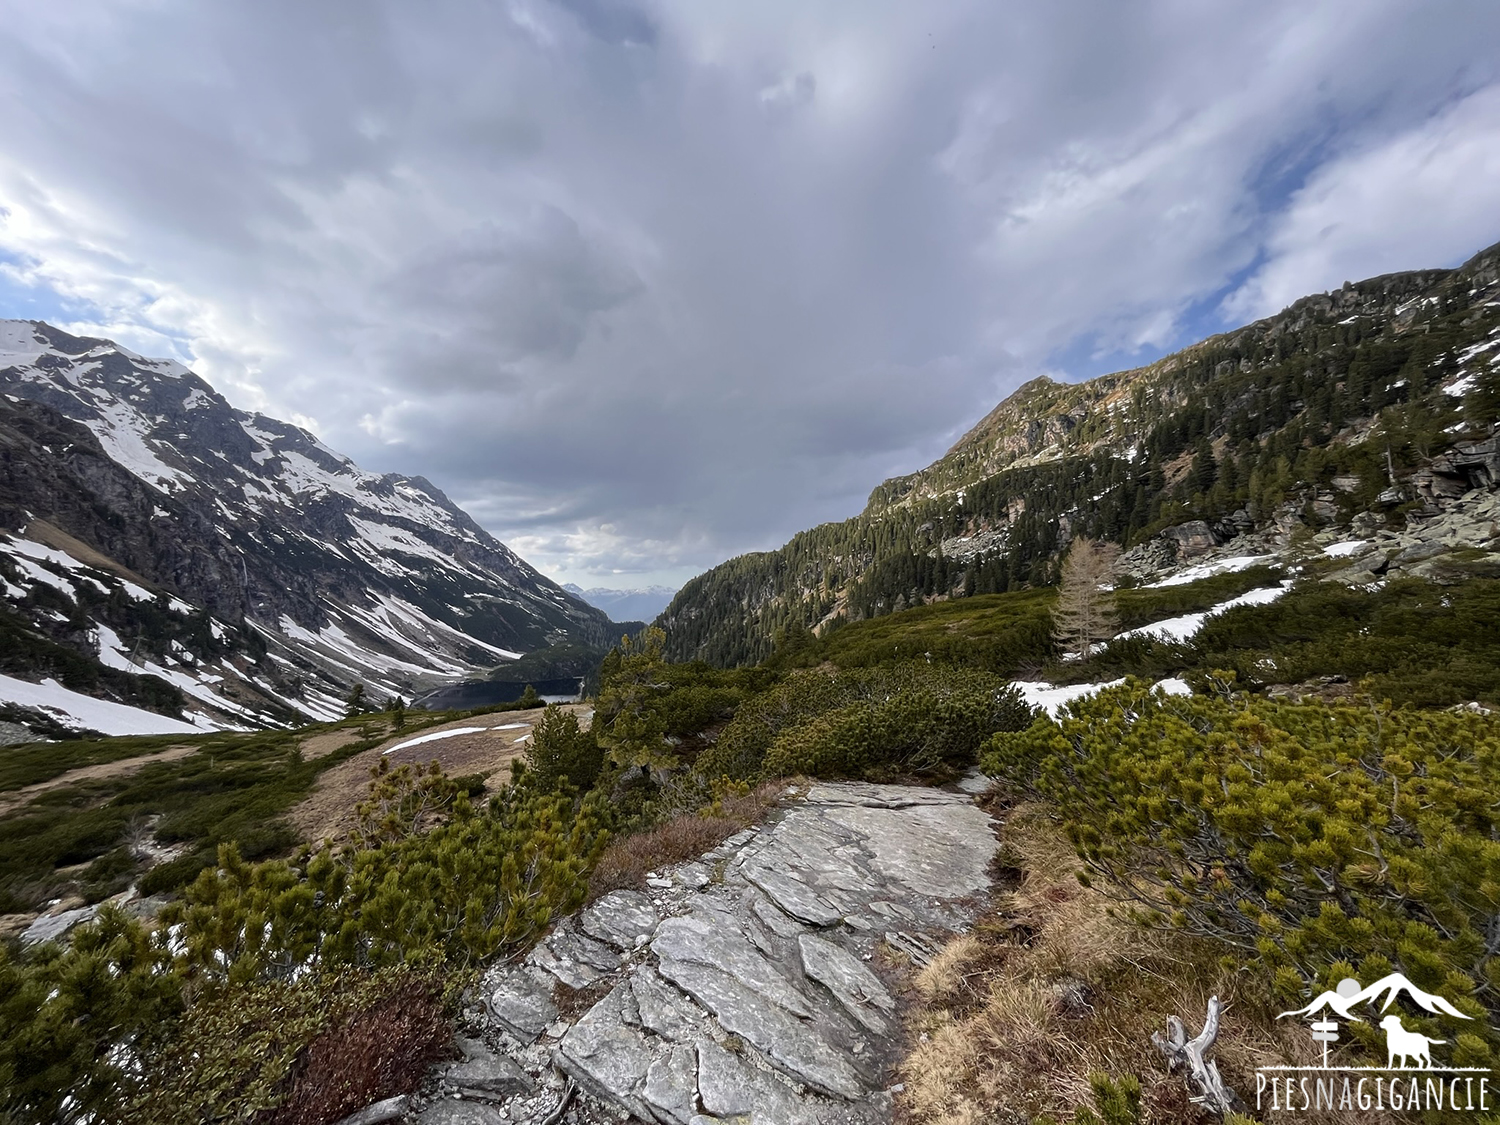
1085,614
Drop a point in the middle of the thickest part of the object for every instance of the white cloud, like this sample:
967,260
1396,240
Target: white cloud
648,284
1429,196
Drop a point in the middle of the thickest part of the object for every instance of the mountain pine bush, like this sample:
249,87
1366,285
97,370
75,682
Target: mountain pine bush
909,718
1318,841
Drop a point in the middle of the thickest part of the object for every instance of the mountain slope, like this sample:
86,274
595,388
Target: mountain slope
128,483
1378,399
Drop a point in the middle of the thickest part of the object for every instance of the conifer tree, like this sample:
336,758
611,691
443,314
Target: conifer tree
1085,614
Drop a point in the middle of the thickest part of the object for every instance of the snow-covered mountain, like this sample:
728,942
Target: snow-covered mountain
147,524
626,605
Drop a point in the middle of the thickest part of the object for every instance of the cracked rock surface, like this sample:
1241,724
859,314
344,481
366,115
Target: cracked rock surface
743,987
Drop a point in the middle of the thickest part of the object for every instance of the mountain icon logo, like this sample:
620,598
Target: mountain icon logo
1400,1043
1348,993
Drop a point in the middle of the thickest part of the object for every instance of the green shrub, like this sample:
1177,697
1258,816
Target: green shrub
174,873
1320,841
560,748
866,722
475,885
70,1019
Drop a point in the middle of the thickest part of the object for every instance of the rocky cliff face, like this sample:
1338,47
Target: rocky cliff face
126,481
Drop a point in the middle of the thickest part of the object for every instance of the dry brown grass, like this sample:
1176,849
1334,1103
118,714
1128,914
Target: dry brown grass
625,862
1051,986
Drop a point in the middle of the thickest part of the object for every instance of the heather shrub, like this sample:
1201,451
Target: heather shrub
308,1052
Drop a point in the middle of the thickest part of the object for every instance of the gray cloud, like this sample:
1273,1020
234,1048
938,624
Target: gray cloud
646,285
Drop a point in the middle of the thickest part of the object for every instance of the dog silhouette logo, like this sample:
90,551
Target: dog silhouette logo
1402,1044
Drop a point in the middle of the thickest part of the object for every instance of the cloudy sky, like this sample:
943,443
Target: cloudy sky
646,284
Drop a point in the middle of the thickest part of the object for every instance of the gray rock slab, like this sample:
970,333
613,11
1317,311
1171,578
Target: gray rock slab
606,1056
708,937
800,1048
50,927
662,1009
484,1072
520,1001
932,850
730,1088
776,920
852,982
573,958
671,1087
620,918
793,895
975,782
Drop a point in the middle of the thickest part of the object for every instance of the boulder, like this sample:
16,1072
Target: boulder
1191,539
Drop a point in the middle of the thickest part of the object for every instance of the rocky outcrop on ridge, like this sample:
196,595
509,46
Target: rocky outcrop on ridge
745,986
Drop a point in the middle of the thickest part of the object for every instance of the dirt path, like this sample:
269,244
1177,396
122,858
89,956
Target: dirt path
485,744
15,798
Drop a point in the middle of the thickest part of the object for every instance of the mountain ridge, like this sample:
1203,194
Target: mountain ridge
340,575
1280,423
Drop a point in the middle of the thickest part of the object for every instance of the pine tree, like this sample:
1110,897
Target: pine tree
355,703
1085,614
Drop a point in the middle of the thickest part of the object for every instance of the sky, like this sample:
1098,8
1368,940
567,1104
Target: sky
645,285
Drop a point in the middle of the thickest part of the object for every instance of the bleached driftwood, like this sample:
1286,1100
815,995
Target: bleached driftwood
1189,1055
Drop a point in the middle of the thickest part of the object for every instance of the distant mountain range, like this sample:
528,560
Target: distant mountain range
1369,405
626,605
162,549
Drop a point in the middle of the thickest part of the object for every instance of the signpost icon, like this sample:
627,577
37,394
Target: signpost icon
1325,1032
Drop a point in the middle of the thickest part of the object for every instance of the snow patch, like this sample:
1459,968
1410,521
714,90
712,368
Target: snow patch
1345,549
84,712
1185,627
1050,699
410,742
1232,565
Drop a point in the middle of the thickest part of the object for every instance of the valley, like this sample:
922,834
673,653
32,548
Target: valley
859,830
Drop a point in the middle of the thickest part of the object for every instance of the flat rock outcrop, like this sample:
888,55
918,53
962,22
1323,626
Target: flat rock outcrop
744,986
